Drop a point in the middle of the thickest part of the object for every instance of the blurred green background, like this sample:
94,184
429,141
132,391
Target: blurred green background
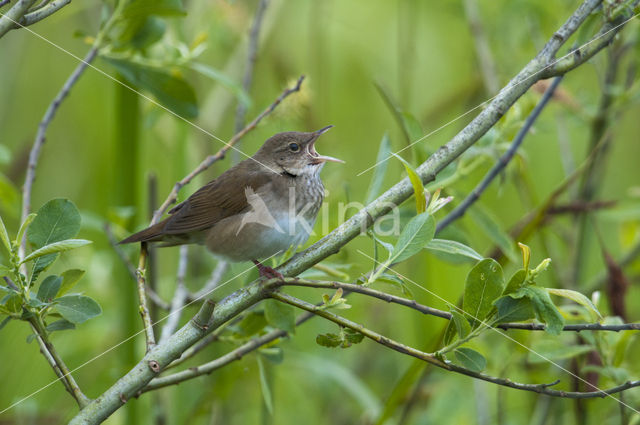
106,141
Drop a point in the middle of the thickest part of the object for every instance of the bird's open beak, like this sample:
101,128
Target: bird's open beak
317,158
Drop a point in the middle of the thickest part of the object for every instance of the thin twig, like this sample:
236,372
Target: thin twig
142,298
179,296
365,290
230,357
475,194
432,359
173,196
3,3
252,55
57,364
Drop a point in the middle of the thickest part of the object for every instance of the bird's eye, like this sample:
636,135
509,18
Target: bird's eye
294,147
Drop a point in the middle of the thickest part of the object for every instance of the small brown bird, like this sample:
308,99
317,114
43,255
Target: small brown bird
257,209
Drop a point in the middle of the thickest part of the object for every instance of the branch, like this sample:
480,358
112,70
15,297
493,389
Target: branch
432,359
462,141
41,13
17,11
582,54
475,194
173,196
365,290
163,354
207,368
142,298
252,55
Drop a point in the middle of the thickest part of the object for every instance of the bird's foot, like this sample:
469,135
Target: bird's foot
267,272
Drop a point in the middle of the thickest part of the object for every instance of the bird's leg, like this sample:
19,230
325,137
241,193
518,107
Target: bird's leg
267,272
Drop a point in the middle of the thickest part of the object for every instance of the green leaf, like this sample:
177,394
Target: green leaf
453,247
280,315
489,225
463,328
4,236
328,340
56,247
148,31
60,325
516,282
449,333
49,288
415,235
223,79
526,255
144,8
24,226
170,89
546,350
544,308
56,220
352,337
470,359
264,385
77,308
69,279
385,245
484,285
418,187
411,126
12,302
513,310
578,298
380,170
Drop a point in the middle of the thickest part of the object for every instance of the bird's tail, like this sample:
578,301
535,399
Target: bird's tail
153,233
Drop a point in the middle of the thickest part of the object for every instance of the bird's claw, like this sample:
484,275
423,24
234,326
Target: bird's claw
267,272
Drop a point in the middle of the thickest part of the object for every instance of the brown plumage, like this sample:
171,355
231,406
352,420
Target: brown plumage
242,214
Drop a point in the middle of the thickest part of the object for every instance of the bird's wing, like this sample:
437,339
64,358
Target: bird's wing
218,199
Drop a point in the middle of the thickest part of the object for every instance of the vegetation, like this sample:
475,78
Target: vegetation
504,291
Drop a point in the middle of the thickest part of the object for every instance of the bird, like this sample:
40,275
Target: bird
259,208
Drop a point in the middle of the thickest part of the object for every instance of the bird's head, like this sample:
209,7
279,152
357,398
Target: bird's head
294,153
